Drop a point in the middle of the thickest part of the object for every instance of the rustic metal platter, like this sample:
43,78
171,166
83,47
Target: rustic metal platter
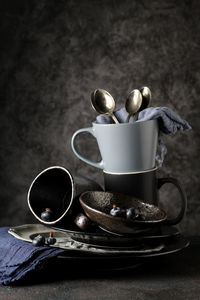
92,260
170,247
88,264
27,233
103,238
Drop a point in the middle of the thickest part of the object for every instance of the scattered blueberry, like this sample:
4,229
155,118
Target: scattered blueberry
51,239
47,215
39,240
117,211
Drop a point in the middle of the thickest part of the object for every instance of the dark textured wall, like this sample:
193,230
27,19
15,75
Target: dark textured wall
55,53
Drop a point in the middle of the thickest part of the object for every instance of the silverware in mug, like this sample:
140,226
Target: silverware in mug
146,99
103,103
133,103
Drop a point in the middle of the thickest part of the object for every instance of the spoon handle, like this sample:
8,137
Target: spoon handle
114,118
136,116
128,118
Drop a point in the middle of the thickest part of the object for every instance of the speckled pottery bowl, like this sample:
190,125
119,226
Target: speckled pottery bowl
97,206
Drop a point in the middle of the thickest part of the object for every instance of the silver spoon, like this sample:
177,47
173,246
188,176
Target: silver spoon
133,103
103,103
146,99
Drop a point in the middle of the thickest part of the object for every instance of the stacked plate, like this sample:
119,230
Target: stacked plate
107,251
111,242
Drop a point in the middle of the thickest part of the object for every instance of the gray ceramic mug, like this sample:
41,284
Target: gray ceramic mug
124,147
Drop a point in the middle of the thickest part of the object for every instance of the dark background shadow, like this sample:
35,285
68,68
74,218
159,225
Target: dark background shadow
55,53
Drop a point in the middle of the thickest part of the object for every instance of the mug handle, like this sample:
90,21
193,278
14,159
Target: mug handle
90,130
161,182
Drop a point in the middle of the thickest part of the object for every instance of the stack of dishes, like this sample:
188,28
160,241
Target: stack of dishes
114,243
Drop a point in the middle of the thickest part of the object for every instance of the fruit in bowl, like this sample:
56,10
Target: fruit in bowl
117,211
131,213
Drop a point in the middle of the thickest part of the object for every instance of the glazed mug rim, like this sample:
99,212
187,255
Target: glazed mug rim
124,124
129,173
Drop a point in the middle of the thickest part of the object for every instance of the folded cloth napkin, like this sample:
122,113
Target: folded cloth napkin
169,123
19,258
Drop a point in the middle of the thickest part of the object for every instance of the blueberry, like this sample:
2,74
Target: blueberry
39,240
134,214
47,215
141,217
117,211
51,240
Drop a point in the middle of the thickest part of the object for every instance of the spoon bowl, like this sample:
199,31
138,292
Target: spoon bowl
103,103
133,103
146,97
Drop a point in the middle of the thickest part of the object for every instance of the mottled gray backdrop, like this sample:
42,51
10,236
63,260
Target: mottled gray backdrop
55,53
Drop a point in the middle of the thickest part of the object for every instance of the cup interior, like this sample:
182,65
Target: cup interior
52,188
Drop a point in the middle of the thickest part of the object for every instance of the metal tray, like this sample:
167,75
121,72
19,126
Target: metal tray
102,238
28,231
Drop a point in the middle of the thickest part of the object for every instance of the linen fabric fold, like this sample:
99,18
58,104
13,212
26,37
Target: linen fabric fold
19,258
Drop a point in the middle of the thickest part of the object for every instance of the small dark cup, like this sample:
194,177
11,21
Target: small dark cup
57,190
144,185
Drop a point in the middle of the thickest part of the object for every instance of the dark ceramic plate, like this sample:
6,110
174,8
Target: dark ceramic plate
78,250
97,206
27,232
172,246
90,261
102,238
89,265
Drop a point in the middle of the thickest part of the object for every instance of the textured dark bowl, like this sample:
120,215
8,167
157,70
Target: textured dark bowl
97,206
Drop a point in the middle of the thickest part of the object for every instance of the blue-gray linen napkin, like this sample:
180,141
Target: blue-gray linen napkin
169,123
19,258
